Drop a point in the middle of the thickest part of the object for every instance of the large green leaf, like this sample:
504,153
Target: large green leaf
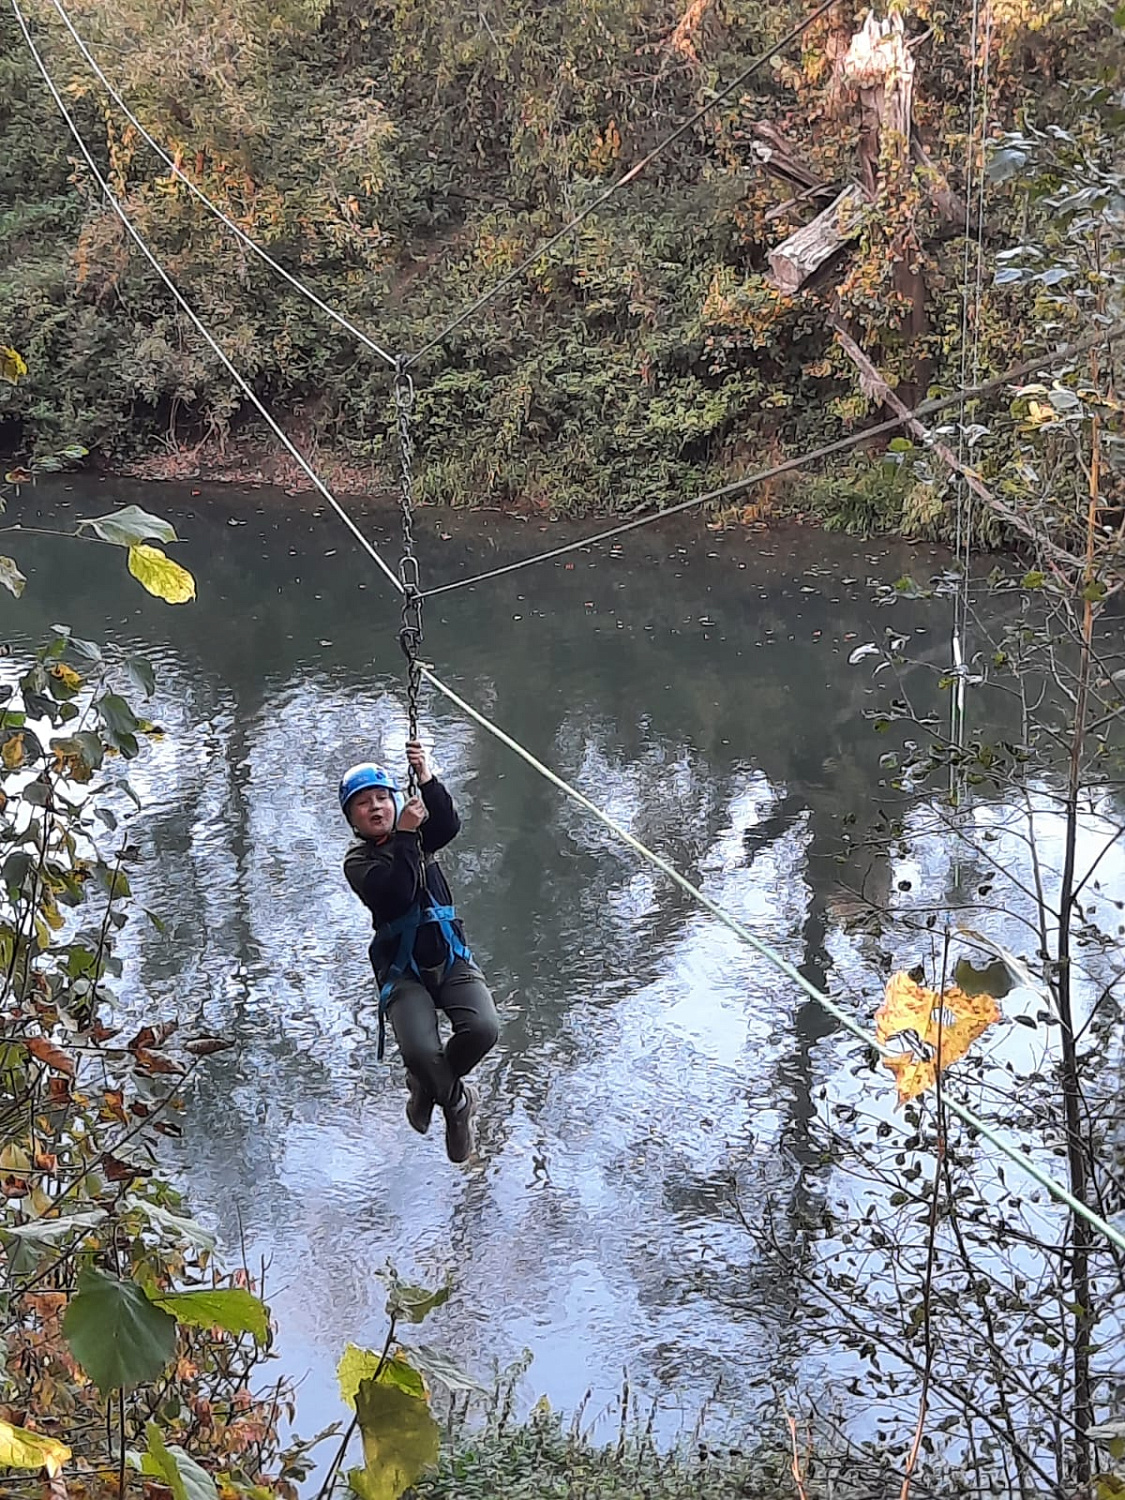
130,526
175,1468
233,1309
116,1334
357,1365
155,571
400,1441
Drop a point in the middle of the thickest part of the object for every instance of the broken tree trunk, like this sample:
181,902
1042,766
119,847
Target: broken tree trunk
879,66
812,248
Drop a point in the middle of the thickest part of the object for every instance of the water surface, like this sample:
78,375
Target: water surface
695,683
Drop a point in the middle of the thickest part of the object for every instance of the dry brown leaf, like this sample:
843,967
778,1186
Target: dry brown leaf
155,1062
117,1170
49,1055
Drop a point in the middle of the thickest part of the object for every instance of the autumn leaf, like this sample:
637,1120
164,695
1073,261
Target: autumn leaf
115,1105
49,1055
12,753
932,1029
204,1046
20,1449
117,1170
13,367
149,1037
155,571
155,1062
11,577
66,676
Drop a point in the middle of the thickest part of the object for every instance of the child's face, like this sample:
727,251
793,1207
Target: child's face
372,812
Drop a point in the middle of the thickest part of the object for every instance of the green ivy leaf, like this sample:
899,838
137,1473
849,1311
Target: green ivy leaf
233,1309
116,1334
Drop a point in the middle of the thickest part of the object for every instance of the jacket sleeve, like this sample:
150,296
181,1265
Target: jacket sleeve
387,878
443,825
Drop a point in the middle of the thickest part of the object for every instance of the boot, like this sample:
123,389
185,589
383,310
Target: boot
420,1105
459,1125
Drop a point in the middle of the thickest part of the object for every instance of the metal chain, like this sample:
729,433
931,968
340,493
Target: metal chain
410,634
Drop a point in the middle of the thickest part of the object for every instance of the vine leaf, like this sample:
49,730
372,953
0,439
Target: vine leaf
116,1334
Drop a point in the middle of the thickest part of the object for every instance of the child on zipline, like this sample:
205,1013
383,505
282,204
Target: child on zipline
419,955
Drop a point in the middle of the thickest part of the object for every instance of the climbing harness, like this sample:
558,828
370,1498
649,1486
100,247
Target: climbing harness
405,929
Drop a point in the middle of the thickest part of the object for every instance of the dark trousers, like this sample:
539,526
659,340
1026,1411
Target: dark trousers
413,1012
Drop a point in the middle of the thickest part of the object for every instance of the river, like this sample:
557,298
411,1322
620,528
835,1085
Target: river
694,682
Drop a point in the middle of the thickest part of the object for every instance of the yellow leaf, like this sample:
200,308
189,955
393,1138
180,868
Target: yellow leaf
13,366
12,753
934,1029
357,1365
66,675
20,1449
1038,414
13,1158
155,571
400,1441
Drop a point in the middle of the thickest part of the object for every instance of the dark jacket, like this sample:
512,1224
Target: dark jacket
388,878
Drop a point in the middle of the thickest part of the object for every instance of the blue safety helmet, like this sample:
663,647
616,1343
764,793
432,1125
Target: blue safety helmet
359,778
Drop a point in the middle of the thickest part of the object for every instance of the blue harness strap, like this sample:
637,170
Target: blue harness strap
405,929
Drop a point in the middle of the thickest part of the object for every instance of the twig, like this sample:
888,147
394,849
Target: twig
795,1465
334,1468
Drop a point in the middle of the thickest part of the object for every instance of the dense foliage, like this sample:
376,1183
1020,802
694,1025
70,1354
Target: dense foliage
402,157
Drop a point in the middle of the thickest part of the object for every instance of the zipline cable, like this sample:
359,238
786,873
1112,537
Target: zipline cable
626,177
968,1116
251,244
410,634
962,544
238,379
800,460
767,951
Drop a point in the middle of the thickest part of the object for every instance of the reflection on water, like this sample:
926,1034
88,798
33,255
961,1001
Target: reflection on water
696,684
